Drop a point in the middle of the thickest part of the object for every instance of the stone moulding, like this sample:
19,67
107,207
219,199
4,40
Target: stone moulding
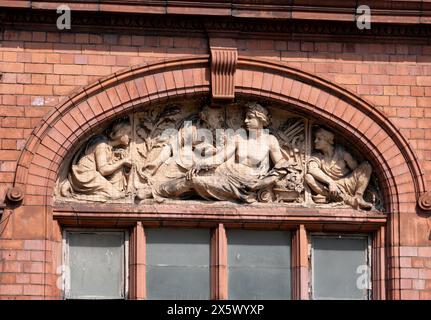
283,29
192,215
383,11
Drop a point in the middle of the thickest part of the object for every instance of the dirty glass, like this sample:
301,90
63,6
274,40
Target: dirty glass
96,262
178,264
340,269
258,264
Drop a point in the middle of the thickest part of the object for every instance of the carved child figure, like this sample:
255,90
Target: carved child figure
334,175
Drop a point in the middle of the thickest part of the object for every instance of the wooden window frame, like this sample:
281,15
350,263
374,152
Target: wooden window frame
328,235
301,266
65,276
299,221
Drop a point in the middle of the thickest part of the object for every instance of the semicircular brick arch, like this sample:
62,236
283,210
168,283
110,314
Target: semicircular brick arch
122,92
93,106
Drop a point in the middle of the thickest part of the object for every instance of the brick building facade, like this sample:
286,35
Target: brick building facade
57,87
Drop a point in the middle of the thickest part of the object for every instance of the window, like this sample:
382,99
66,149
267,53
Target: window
340,267
182,263
95,265
178,263
259,264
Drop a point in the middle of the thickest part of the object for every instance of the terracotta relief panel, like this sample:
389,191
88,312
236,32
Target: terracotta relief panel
244,152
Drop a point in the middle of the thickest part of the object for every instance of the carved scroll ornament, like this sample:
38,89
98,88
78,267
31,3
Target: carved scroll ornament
15,194
425,201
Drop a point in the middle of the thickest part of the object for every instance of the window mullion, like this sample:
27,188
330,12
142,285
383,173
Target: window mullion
219,263
300,264
137,263
378,266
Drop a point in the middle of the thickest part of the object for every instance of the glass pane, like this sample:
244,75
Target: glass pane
178,263
178,283
259,264
96,265
340,269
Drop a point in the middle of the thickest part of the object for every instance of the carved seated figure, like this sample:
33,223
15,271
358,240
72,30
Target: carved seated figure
98,174
178,156
238,171
335,176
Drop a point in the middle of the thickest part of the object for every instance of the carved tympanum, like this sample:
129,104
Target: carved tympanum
237,153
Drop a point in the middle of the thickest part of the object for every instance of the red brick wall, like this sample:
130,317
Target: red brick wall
40,68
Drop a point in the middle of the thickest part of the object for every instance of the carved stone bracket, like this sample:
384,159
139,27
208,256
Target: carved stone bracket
223,67
424,201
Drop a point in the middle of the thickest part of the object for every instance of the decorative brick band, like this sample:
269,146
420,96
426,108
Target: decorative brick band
410,19
223,67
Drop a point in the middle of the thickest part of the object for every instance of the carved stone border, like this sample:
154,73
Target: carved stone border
283,29
383,11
